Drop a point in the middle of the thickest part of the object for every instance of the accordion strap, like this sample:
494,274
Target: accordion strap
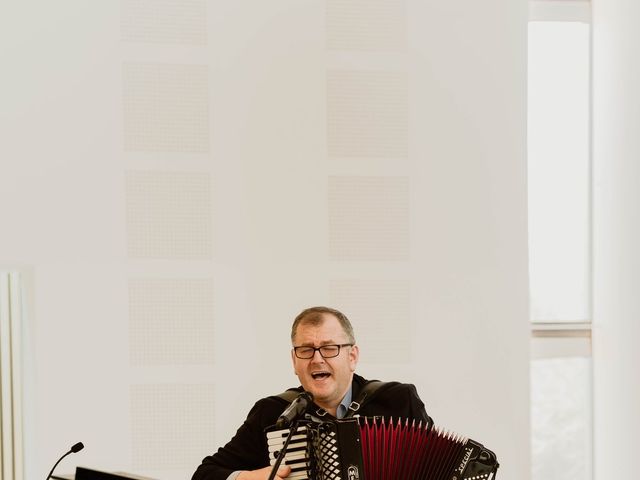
289,395
367,391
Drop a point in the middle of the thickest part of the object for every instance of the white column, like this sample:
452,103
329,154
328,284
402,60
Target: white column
616,76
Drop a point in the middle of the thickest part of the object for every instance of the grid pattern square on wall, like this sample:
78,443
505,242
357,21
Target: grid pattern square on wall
169,215
171,321
164,21
368,218
166,107
380,311
170,423
367,113
367,25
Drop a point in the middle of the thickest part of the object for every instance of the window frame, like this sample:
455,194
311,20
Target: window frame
563,339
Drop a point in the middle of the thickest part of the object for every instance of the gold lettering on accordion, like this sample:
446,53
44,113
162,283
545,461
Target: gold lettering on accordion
465,460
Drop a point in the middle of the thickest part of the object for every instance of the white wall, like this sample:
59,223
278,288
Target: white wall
616,236
181,189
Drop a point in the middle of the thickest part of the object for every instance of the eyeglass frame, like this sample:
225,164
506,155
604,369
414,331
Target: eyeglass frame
318,349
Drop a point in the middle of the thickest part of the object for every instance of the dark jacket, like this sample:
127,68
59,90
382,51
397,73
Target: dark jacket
247,450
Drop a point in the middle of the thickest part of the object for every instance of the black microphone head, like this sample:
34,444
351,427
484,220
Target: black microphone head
77,447
296,409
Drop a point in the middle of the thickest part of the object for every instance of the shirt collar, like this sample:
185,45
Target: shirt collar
343,408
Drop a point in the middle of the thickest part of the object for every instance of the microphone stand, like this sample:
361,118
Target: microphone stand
76,448
54,467
283,450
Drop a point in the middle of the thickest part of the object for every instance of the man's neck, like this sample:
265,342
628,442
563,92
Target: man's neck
330,410
346,400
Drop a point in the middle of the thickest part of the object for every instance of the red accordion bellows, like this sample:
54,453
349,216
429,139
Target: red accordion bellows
377,449
392,451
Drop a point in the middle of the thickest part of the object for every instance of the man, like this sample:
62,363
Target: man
324,357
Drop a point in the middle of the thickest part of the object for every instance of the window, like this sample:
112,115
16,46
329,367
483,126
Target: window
559,172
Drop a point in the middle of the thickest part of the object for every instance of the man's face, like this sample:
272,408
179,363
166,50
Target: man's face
328,379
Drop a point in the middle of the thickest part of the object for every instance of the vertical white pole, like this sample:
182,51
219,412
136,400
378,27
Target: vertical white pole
616,327
15,312
10,377
6,410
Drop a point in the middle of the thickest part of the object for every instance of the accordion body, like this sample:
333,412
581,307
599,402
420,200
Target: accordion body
374,448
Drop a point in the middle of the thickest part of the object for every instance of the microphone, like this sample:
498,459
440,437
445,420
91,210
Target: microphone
76,448
297,408
289,418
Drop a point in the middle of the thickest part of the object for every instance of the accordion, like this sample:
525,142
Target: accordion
373,448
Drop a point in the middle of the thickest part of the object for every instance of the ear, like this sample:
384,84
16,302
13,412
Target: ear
293,361
354,356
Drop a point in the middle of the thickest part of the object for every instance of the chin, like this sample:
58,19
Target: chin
322,395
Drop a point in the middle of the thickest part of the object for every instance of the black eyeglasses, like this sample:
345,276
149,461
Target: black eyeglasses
326,351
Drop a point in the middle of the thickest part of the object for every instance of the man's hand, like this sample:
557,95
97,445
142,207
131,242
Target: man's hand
263,474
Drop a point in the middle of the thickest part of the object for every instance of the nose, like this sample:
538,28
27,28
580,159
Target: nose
317,357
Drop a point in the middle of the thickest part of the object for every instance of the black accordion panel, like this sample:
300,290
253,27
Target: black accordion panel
378,449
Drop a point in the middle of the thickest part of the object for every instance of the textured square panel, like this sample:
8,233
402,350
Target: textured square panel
169,215
380,311
166,107
367,25
170,424
171,321
368,218
367,113
164,21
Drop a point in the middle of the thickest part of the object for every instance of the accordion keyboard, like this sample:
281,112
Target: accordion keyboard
297,454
